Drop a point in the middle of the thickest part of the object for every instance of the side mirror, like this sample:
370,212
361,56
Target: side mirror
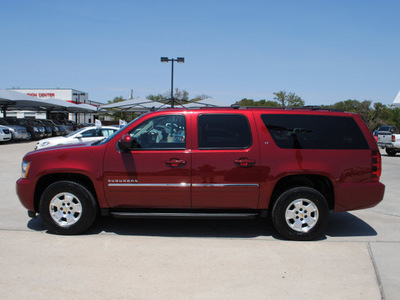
79,136
125,143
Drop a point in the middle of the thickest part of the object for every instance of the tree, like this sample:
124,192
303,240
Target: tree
374,117
263,102
180,97
288,99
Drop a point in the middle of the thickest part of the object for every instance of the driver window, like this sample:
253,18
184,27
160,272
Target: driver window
163,132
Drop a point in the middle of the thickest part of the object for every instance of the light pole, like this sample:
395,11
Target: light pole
178,60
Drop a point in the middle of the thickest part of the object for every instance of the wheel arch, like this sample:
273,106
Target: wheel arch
319,182
48,179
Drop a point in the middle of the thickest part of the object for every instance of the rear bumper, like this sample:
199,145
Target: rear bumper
352,196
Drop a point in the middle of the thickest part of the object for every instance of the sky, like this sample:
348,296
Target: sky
323,51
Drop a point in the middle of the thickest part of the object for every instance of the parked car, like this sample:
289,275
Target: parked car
18,133
61,129
214,162
66,128
55,130
35,122
33,132
84,135
5,134
386,128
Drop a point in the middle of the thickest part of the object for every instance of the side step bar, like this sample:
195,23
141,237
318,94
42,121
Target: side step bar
166,215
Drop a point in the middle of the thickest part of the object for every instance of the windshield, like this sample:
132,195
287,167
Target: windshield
75,132
45,122
56,122
115,133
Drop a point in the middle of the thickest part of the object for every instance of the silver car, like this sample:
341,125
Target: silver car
5,134
17,132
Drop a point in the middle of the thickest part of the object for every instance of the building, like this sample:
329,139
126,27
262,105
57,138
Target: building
70,95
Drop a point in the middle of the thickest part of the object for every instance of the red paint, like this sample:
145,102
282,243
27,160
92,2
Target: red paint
210,179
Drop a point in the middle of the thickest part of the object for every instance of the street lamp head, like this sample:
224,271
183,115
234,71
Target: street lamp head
164,59
180,60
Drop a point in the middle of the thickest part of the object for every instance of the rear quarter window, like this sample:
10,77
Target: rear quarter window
314,132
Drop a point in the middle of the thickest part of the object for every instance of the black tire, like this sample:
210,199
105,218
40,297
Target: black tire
301,214
390,151
67,207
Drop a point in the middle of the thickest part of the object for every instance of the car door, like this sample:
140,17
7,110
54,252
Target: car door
155,173
225,160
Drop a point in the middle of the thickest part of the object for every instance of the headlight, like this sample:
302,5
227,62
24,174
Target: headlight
35,129
25,168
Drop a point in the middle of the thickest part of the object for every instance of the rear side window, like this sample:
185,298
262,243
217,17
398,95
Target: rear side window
224,131
314,132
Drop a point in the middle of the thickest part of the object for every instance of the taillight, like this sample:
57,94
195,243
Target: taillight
393,138
376,165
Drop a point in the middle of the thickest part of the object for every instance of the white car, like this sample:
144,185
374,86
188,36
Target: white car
5,134
84,135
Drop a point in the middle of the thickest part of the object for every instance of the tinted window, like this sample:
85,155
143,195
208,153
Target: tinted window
89,133
314,132
224,131
164,132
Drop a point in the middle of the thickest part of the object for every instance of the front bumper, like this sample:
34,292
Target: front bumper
26,190
5,138
20,135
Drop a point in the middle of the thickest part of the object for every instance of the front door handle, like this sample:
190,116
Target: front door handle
175,162
244,162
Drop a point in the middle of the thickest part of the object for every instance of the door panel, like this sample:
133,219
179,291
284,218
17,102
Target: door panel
155,174
226,164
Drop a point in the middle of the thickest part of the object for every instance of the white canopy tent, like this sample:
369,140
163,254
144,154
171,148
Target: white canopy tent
18,101
208,102
133,105
396,102
11,101
145,105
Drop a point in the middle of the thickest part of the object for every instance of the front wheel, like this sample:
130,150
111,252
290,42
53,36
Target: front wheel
300,213
67,207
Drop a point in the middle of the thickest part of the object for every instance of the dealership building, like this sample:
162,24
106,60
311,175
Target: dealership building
70,95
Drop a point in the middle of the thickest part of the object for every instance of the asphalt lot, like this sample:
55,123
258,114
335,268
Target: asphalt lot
198,259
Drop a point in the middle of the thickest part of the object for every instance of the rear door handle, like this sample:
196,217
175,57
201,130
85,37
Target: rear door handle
244,162
175,162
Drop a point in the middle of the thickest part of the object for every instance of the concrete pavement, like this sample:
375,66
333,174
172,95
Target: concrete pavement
198,259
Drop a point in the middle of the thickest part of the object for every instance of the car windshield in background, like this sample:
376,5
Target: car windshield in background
3,122
111,136
75,132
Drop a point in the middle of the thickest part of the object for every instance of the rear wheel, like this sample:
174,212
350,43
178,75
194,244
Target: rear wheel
390,151
67,207
300,213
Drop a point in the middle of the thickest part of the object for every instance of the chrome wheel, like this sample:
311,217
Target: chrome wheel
302,215
65,209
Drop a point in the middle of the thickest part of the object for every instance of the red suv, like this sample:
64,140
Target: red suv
215,162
